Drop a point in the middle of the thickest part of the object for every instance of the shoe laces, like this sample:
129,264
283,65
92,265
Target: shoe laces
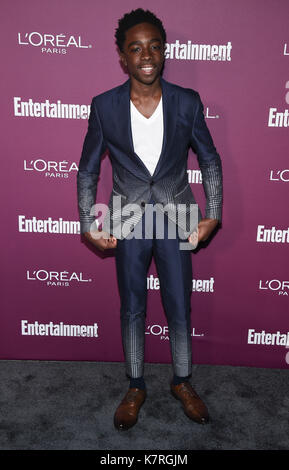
189,391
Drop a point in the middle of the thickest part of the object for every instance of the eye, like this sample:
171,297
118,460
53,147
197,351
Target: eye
135,49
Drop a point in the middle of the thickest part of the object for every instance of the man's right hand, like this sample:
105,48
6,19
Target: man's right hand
101,240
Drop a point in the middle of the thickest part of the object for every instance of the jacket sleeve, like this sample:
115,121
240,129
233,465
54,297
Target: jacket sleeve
89,167
209,163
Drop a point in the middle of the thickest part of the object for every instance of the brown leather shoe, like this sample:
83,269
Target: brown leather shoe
193,406
127,412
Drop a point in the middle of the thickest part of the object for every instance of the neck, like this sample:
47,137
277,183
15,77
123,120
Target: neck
141,90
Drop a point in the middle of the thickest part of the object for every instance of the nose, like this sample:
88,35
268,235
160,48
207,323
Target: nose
146,53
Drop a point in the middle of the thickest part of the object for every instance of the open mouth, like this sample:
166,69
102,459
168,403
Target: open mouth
147,69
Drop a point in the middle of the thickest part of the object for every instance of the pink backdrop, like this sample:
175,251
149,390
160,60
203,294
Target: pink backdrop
64,52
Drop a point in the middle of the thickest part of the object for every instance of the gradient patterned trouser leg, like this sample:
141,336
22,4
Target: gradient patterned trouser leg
133,257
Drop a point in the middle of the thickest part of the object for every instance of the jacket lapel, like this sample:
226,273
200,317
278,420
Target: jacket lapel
122,117
170,111
124,124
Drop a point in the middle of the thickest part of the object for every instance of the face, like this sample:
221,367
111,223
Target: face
143,53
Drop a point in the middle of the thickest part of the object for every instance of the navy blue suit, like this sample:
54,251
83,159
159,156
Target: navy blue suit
184,127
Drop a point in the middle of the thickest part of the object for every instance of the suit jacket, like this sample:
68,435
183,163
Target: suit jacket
110,129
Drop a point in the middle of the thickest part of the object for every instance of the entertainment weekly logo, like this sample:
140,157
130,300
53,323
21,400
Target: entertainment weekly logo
203,52
272,235
198,285
48,43
58,329
49,225
50,168
279,118
162,332
194,176
48,109
266,339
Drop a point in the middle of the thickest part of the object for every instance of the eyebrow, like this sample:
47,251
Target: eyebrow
140,42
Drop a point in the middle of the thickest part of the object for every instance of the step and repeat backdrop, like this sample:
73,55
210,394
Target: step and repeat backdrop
59,295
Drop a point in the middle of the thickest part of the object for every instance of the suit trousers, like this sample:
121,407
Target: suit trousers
174,268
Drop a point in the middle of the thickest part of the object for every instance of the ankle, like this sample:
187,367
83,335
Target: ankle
137,382
178,379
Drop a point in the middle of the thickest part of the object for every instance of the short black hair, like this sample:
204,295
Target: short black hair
133,18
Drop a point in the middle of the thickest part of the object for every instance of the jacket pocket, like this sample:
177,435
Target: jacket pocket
185,196
182,191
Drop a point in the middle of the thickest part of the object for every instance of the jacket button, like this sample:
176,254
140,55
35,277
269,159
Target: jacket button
152,183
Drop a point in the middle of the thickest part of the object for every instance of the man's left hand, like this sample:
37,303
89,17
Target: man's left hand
205,228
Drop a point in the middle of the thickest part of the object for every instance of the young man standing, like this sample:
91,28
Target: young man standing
148,125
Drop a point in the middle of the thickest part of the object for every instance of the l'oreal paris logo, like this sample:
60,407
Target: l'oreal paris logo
51,43
282,287
55,278
51,169
279,175
163,332
210,116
